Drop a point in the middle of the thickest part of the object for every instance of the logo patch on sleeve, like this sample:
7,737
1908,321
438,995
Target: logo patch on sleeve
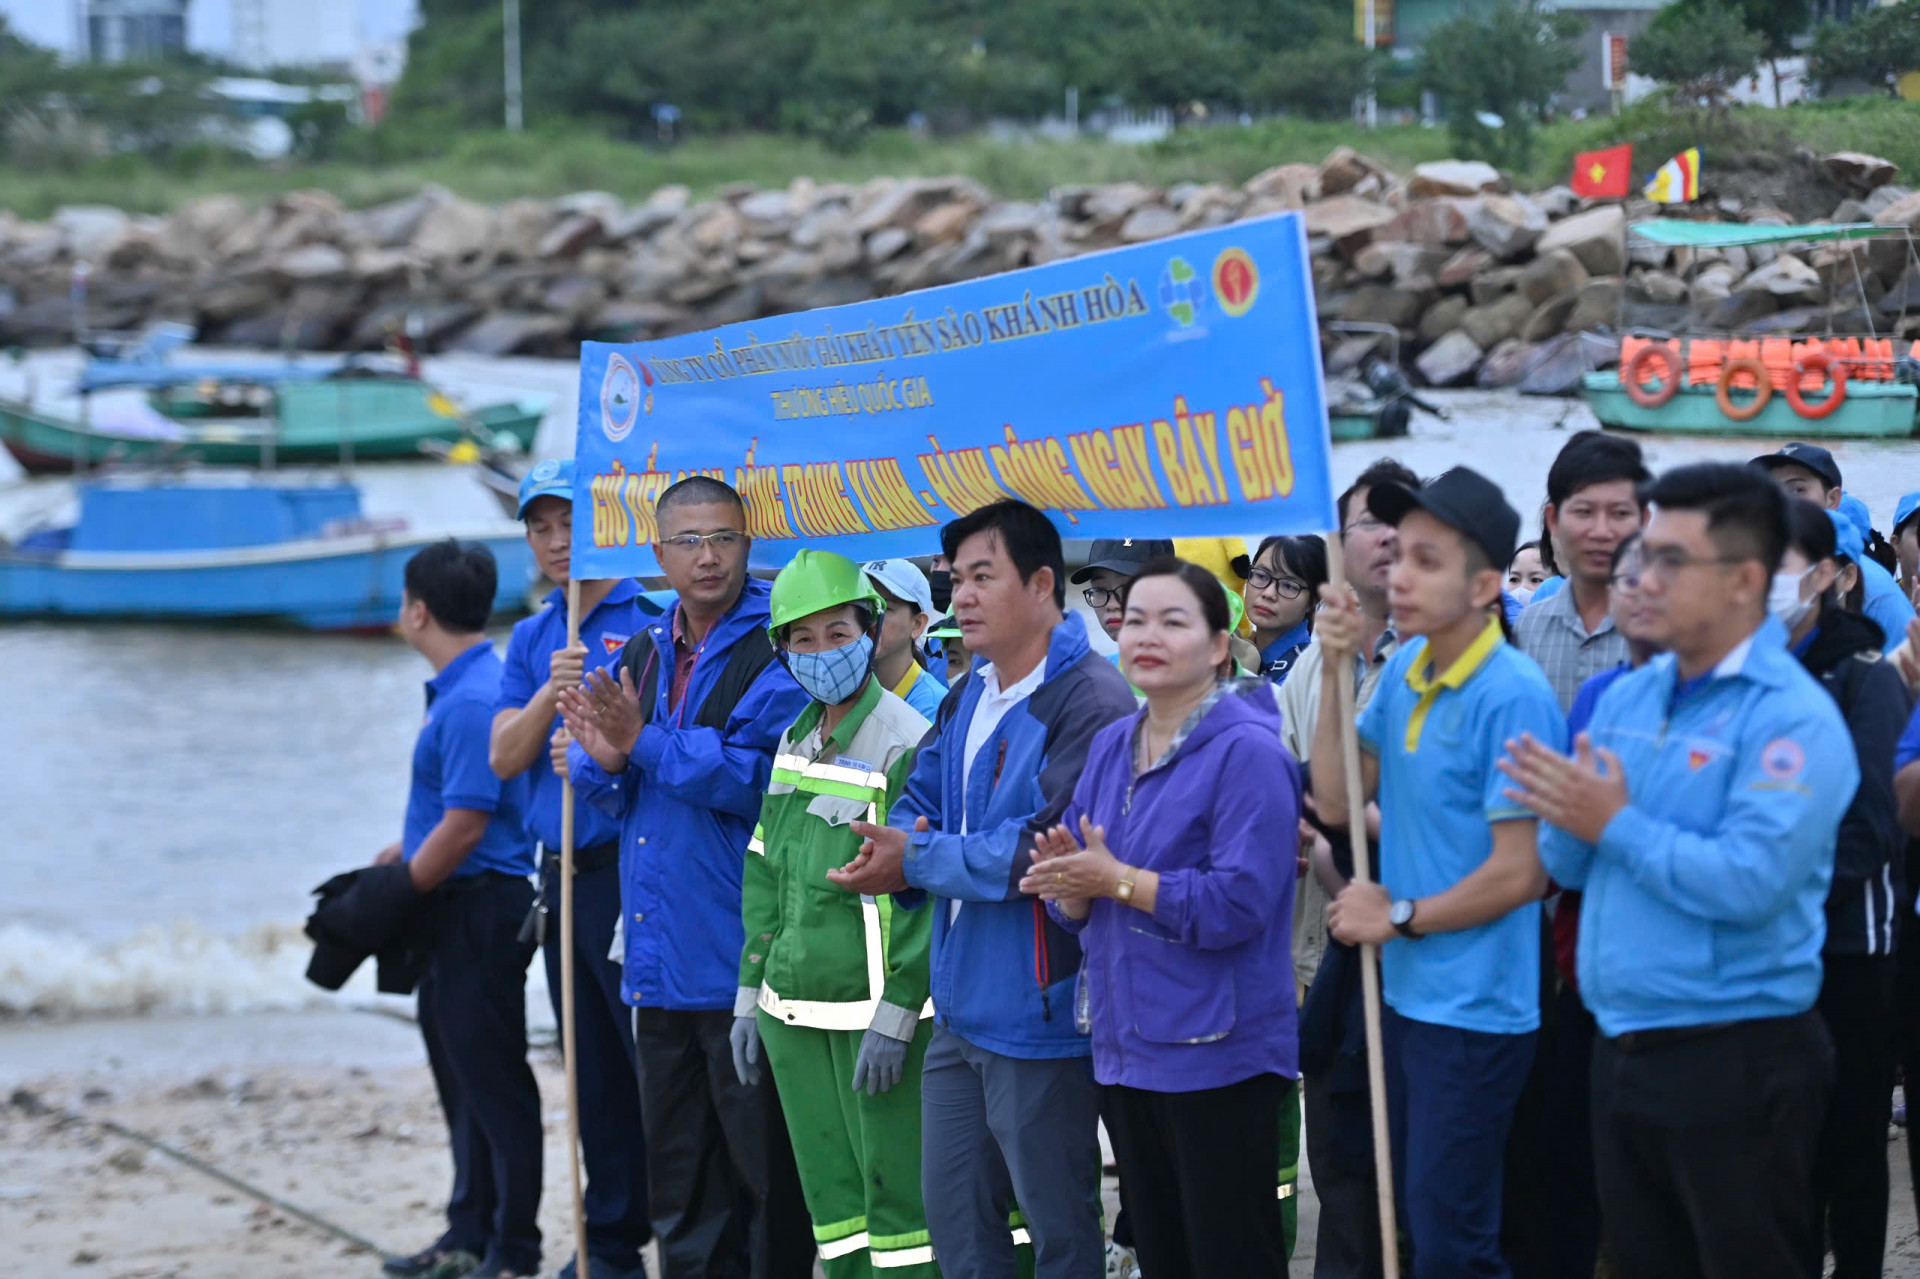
1782,759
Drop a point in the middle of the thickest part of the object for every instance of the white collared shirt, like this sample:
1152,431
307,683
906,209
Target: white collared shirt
992,707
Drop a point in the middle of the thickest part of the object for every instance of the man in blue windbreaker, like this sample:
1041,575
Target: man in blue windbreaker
1008,1101
680,749
1699,814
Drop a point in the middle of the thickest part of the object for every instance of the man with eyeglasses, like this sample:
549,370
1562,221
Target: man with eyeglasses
1699,813
1111,565
681,750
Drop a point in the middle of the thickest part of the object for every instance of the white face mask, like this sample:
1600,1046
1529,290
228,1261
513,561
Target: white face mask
1783,599
1522,593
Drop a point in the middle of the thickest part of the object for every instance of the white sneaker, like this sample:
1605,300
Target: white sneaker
1121,1263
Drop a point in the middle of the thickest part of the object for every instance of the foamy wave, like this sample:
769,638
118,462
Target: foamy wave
185,969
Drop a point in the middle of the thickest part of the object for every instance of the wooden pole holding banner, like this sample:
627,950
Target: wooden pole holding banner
1369,954
566,976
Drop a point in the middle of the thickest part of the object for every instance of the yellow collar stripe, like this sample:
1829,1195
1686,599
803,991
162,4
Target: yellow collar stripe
1421,681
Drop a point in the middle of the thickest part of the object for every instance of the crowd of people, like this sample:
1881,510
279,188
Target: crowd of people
881,915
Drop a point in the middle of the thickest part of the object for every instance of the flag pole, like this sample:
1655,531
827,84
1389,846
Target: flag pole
566,976
1369,954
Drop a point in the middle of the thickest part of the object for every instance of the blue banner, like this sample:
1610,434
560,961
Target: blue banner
1171,389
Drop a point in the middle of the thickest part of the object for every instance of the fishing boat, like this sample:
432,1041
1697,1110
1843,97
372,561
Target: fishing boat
233,547
1824,387
1378,404
238,415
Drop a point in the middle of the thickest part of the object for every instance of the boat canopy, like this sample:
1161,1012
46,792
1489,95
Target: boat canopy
102,375
1726,235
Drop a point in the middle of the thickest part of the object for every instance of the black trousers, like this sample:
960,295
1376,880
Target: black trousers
613,1143
1550,1219
721,1180
473,1016
1850,1172
1340,1155
1704,1148
1200,1172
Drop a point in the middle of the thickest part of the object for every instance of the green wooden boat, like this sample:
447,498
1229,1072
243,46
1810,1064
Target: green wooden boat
1872,410
244,421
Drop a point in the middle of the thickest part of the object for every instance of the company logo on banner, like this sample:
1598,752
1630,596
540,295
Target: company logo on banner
1169,389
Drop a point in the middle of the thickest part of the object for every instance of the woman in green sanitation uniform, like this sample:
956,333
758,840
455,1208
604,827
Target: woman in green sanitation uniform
833,985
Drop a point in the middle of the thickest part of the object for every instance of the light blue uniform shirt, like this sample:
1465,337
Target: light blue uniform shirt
1440,794
1704,900
1884,602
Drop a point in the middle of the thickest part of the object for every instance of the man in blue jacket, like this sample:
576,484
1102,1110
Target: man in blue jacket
680,750
1008,1102
1699,814
526,728
1809,471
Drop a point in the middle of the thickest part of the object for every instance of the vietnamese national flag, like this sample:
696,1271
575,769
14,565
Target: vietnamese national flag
1604,175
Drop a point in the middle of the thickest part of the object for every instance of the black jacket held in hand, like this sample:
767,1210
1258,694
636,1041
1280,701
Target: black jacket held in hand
375,911
1867,864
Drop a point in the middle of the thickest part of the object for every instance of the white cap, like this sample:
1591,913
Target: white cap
900,579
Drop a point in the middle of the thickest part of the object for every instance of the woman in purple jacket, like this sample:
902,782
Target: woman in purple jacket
1183,899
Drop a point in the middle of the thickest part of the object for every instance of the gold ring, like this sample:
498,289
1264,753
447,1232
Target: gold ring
1059,877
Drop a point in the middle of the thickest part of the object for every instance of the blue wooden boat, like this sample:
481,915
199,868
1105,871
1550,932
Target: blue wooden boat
269,549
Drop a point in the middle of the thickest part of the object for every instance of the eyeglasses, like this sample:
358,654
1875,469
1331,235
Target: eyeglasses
1367,524
1290,588
690,543
1669,561
1100,596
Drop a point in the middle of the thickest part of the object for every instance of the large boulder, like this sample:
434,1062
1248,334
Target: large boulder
1437,223
1442,318
92,231
1109,206
1289,186
1595,237
1741,308
309,262
1880,199
1462,267
392,225
1452,177
1506,225
1410,266
1504,364
1347,220
1904,212
453,231
1556,201
1859,172
1492,283
1382,304
1658,287
1345,169
507,332
1554,272
1497,321
195,231
1450,360
1149,222
1787,278
1597,305
1549,319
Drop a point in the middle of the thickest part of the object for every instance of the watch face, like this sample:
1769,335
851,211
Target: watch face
1402,912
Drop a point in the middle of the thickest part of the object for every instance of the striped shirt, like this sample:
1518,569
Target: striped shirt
1551,633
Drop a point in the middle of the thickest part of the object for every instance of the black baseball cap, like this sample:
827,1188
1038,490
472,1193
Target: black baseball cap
1462,499
1123,555
1811,456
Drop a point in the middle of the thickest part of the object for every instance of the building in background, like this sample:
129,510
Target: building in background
131,30
286,33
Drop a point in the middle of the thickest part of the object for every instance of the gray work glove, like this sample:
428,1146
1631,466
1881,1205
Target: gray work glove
883,1051
745,1037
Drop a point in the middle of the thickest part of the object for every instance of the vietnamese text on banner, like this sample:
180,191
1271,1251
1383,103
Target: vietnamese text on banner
1168,389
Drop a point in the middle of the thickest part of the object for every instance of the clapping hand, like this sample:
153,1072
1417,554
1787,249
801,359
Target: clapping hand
879,867
1573,794
1066,872
604,717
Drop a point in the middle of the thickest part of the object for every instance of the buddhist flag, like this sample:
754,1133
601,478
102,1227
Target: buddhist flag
1603,175
1678,180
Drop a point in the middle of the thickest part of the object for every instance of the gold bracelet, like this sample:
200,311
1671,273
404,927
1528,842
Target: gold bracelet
1123,891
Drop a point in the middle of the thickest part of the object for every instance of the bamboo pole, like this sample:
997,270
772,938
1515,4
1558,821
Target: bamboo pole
1369,954
566,977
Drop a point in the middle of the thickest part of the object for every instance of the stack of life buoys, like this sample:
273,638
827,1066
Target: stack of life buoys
1653,371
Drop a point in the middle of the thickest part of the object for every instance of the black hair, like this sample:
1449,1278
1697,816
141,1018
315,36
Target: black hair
1810,531
1306,557
699,490
1882,552
1594,457
456,581
1030,539
1627,545
1746,511
1385,470
1205,586
1547,560
1524,546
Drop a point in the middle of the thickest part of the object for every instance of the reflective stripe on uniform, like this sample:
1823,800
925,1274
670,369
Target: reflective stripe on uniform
754,845
841,1247
829,772
904,1257
1284,1192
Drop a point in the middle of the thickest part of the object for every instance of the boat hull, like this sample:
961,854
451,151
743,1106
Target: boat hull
1872,410
328,584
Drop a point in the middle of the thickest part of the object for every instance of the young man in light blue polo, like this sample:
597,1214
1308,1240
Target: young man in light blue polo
1456,912
527,734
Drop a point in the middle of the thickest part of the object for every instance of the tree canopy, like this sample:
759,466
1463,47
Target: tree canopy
1877,46
1500,60
1701,48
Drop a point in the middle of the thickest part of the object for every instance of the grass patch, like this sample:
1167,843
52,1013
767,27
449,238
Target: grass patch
494,167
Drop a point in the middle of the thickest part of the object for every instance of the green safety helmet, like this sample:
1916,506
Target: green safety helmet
816,580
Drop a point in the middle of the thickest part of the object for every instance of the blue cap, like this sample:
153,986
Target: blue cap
1856,510
551,478
1909,504
1846,538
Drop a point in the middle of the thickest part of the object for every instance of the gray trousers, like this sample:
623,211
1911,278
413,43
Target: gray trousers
1005,1134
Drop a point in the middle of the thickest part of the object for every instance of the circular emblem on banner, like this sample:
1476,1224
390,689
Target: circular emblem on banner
620,393
1236,281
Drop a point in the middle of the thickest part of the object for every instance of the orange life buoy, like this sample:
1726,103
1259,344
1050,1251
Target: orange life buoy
1669,385
1816,364
1763,383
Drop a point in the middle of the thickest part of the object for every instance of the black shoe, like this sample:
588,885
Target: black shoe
601,1269
494,1266
419,1265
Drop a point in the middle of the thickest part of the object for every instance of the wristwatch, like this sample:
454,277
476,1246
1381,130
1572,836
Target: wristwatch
1123,891
1401,917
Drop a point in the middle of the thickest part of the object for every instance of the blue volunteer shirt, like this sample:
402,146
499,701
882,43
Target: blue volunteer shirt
921,689
450,768
1705,897
1884,602
1438,736
605,631
1278,658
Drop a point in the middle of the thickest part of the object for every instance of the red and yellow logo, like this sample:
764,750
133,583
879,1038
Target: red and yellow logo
1236,281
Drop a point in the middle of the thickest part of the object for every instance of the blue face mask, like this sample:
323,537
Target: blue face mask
835,675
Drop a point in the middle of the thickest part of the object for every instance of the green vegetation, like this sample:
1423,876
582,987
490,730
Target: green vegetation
1506,61
1701,48
1876,47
